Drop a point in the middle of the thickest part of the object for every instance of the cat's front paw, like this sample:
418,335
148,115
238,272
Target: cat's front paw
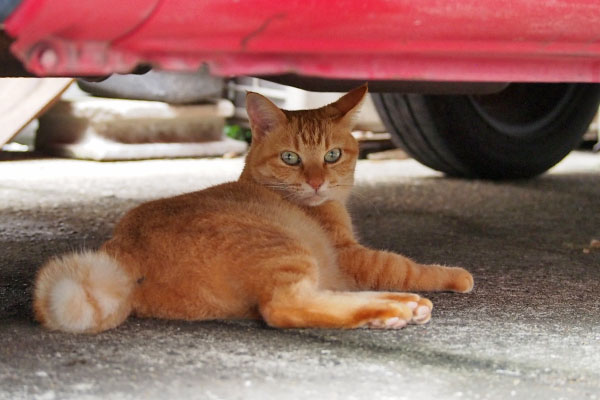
462,280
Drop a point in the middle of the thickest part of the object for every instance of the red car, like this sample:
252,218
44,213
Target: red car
475,88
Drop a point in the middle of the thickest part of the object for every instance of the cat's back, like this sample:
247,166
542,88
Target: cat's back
230,224
235,203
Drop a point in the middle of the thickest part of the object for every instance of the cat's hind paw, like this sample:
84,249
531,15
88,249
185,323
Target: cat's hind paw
412,309
390,323
422,311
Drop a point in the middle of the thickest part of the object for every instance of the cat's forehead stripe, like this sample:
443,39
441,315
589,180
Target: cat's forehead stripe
327,141
310,131
296,139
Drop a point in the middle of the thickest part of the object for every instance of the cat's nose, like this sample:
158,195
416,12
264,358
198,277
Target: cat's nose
315,182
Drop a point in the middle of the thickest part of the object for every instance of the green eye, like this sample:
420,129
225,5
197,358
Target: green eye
290,158
333,155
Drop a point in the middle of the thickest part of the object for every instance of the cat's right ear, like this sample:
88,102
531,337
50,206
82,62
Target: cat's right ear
264,116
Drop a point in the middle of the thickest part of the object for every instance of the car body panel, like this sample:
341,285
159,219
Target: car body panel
427,40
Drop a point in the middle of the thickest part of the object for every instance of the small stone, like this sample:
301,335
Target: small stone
84,386
49,395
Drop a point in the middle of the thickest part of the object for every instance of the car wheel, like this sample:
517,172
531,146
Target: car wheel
519,132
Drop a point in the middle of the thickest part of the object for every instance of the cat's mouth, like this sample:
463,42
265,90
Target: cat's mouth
303,195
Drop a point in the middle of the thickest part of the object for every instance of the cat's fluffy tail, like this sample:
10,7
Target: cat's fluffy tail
82,292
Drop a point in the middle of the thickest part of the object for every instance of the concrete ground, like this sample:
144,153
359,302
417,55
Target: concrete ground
529,330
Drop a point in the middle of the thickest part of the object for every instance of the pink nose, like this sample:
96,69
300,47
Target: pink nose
315,182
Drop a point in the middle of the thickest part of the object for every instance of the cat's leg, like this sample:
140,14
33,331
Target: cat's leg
383,270
289,296
304,306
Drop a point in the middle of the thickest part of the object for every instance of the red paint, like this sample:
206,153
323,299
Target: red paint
472,40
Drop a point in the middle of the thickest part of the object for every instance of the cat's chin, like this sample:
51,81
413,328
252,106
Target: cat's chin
315,200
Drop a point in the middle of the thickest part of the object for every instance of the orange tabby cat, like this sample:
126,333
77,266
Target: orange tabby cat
277,244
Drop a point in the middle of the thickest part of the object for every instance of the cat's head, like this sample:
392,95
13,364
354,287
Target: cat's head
308,156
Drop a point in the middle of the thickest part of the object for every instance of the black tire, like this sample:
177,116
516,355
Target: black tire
517,133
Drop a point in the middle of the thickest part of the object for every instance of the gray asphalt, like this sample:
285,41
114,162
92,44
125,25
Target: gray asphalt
529,330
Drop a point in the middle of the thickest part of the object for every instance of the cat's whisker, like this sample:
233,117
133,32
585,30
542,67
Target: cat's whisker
359,195
286,190
280,185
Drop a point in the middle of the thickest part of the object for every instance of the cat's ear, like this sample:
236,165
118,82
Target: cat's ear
264,116
346,108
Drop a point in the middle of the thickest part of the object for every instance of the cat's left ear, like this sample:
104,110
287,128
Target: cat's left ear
347,107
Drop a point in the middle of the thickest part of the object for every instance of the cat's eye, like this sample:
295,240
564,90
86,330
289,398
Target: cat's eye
333,155
290,158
